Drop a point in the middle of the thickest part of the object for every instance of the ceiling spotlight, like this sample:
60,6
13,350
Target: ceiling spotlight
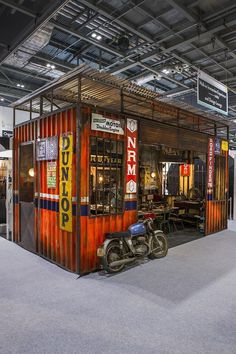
99,37
51,66
18,85
1,99
94,35
166,71
22,86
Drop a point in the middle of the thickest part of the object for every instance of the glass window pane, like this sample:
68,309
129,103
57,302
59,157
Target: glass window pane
26,190
106,171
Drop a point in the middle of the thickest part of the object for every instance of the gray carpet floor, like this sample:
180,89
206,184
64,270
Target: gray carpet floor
184,303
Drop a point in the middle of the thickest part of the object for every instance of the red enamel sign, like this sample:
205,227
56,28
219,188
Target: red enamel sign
131,153
185,170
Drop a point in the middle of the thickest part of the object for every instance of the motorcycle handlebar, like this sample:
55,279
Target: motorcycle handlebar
149,222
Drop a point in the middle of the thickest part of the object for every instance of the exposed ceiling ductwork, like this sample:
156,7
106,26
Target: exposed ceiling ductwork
30,47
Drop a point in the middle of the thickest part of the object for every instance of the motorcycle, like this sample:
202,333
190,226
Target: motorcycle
140,240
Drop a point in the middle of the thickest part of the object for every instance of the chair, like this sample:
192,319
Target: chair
176,220
164,222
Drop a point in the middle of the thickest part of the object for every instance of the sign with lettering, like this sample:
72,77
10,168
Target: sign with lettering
132,155
212,93
104,159
224,145
185,170
52,174
210,166
103,124
47,149
65,195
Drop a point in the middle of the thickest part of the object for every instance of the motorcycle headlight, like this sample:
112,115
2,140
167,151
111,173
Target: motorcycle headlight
100,252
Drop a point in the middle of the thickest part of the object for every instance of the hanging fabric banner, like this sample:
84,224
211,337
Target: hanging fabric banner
210,168
65,197
132,156
185,170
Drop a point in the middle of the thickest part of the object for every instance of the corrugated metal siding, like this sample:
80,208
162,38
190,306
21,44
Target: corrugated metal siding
22,134
93,229
54,243
51,242
216,216
217,210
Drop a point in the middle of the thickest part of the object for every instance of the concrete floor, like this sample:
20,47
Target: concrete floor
184,303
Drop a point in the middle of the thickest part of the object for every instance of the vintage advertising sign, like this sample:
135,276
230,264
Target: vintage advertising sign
185,170
47,149
51,174
132,156
217,146
224,145
210,165
65,194
212,93
103,124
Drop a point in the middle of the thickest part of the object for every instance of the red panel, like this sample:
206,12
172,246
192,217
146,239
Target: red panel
57,245
93,229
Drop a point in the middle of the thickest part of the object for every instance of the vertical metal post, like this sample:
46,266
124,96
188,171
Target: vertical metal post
78,174
51,100
230,209
227,132
121,101
100,59
41,106
38,241
234,195
215,129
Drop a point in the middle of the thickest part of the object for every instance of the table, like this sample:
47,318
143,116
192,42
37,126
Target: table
188,204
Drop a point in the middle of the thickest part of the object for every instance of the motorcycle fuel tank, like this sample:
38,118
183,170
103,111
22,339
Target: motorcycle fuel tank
137,229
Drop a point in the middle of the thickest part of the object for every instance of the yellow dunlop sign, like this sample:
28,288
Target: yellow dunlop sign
224,145
65,200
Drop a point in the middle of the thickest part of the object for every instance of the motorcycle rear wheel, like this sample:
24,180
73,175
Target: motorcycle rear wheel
113,253
159,246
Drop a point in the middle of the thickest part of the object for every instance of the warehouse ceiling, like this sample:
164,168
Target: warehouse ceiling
158,44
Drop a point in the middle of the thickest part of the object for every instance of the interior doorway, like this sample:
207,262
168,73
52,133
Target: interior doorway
26,196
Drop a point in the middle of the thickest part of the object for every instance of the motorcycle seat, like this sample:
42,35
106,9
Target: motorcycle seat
122,234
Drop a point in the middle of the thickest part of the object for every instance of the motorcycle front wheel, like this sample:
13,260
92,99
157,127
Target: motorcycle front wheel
159,246
113,254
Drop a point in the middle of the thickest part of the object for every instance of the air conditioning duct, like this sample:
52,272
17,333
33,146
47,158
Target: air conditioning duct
146,78
30,47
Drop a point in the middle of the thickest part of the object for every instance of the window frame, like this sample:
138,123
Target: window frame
111,139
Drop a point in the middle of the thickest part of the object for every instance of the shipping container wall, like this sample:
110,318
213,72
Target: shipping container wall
52,243
217,204
94,228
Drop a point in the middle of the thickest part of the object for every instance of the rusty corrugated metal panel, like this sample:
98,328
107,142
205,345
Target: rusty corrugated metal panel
54,243
93,229
217,210
216,219
51,242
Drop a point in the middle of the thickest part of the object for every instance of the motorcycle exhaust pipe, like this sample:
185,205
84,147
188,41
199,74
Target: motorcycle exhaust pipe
121,261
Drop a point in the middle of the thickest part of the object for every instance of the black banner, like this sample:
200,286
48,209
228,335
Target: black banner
212,94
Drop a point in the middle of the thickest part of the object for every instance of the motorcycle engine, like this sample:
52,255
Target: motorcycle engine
140,246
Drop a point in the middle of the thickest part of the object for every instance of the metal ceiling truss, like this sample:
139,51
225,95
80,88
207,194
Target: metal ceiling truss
187,40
